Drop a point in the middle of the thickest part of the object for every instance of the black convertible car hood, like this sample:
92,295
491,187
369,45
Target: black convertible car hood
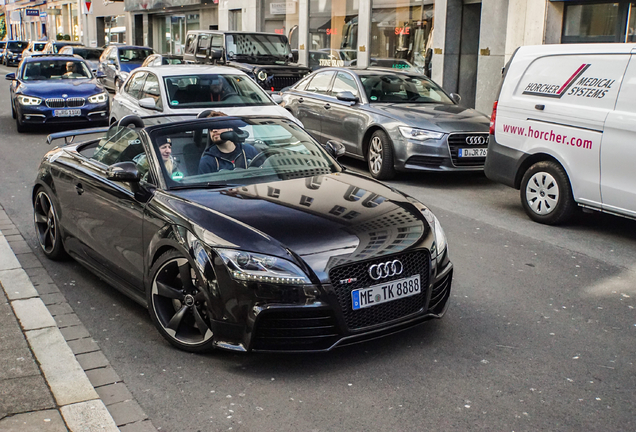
327,220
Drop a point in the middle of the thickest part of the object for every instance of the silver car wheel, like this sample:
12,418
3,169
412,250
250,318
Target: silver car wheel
375,155
542,193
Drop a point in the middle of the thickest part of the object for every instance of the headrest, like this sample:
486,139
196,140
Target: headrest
128,120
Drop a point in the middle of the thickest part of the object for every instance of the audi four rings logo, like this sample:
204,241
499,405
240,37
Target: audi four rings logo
476,140
387,269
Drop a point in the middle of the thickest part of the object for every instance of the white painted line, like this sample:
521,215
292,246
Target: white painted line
32,314
17,285
7,258
88,416
65,376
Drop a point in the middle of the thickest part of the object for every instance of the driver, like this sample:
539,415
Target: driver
227,152
71,71
216,89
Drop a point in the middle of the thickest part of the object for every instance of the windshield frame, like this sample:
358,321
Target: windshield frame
156,132
87,70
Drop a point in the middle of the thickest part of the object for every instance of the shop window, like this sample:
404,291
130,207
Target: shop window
401,34
333,32
631,25
594,22
281,18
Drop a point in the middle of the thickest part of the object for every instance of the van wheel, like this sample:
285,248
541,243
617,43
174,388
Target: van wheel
546,193
380,156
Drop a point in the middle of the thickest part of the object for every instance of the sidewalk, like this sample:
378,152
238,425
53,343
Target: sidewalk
53,376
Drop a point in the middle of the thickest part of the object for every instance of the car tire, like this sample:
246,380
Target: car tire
380,156
47,226
179,309
12,111
546,193
19,125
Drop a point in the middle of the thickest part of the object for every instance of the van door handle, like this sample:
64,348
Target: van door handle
327,106
539,107
301,100
79,189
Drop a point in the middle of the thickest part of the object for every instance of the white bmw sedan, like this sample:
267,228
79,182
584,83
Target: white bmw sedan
189,89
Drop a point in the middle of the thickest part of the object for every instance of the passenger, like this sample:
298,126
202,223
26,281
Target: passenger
165,150
225,153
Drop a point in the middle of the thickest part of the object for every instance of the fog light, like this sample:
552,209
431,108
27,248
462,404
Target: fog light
27,117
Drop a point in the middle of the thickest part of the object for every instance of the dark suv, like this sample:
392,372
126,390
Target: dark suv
266,57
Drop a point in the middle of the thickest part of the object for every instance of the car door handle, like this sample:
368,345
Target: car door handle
327,106
301,100
79,189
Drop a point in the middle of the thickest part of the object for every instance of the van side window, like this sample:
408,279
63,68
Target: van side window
217,42
203,45
190,43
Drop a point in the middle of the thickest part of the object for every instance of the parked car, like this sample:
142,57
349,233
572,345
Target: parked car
190,89
265,57
396,120
53,47
162,59
33,48
91,55
281,253
13,52
117,61
56,89
563,128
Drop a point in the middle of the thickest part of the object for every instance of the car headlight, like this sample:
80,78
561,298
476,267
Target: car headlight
98,98
419,134
249,266
261,75
440,236
28,100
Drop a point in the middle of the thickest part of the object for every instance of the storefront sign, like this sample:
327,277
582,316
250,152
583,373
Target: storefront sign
54,11
402,30
332,31
282,8
32,12
331,63
43,14
279,31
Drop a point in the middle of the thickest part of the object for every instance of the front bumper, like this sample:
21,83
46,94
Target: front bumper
320,318
42,114
437,155
14,60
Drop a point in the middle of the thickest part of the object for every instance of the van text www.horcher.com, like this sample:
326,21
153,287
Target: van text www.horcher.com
550,136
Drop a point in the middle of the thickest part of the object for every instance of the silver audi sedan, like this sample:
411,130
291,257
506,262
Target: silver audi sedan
395,120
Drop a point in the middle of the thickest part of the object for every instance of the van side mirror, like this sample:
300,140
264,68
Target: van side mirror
455,98
123,172
335,148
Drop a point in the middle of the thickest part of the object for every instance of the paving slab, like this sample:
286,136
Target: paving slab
88,416
114,393
64,374
16,363
92,360
55,298
60,309
127,412
29,260
103,376
74,332
7,258
144,426
24,394
84,345
16,284
32,314
38,421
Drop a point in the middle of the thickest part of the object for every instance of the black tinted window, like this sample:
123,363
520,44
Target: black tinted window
133,55
17,46
87,53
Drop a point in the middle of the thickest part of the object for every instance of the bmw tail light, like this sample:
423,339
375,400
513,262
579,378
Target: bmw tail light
493,117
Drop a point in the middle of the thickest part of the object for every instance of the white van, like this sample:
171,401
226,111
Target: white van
563,130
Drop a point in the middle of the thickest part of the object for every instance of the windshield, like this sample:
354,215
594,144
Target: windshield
87,53
134,55
257,47
209,91
402,89
58,45
17,46
55,70
229,151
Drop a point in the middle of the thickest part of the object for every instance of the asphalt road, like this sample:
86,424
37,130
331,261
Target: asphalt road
539,335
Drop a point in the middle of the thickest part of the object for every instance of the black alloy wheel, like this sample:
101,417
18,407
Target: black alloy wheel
47,227
178,303
546,194
380,156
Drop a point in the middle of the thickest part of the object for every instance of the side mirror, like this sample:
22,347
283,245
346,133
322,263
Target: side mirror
347,96
455,97
10,76
277,98
216,54
123,172
335,148
148,103
100,74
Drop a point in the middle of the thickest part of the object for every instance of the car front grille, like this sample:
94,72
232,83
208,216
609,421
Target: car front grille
425,161
295,330
75,102
458,140
55,103
417,262
280,82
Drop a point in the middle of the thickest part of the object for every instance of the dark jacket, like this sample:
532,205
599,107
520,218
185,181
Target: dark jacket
214,160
